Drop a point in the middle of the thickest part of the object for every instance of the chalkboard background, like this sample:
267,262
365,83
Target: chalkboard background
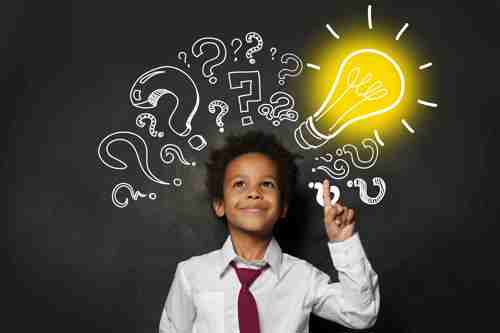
77,263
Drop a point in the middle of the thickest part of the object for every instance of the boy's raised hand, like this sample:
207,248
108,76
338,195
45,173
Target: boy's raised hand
339,220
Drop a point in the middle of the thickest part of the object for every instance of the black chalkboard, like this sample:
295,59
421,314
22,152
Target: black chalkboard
74,78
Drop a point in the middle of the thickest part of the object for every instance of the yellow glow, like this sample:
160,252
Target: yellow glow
329,53
368,83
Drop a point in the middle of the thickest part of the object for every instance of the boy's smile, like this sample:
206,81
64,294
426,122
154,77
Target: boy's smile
252,198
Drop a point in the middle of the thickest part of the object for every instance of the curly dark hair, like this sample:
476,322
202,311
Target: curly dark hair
253,141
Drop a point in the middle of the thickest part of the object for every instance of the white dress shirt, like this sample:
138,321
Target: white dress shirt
203,297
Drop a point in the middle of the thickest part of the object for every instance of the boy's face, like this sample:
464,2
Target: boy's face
252,198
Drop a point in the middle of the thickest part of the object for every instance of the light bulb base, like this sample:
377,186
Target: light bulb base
308,137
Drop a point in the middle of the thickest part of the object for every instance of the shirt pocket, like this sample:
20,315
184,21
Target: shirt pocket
209,311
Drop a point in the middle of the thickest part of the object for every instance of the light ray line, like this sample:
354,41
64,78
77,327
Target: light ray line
424,66
370,17
408,127
401,31
379,140
313,66
432,105
332,31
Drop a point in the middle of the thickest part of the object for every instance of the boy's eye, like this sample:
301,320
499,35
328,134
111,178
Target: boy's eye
241,183
268,184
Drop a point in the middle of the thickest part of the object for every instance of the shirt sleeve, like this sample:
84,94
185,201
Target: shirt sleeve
353,301
178,312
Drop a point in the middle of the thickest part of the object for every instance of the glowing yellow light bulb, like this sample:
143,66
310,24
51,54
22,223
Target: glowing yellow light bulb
368,83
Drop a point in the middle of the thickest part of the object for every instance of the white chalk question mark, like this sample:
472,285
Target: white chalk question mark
224,109
168,153
273,52
266,110
363,194
139,121
343,169
133,193
281,108
137,143
182,56
161,81
251,51
353,152
319,194
237,48
285,59
208,66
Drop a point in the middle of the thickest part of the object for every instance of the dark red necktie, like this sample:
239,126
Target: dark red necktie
247,308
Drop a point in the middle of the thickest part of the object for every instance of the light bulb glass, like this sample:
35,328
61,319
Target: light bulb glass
368,83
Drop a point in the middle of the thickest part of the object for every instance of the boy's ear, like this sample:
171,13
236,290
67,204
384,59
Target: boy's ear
218,206
284,211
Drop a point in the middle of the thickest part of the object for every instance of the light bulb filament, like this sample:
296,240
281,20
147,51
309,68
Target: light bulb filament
373,92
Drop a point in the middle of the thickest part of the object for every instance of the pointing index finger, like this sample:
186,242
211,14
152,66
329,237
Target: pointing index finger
327,201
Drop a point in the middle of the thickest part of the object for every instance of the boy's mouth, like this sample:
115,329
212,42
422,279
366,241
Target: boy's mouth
252,210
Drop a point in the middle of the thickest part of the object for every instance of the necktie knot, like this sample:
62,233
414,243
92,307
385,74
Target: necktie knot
247,275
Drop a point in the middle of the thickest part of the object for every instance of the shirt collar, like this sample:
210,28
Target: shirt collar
273,256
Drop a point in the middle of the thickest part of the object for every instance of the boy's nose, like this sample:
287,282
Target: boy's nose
254,193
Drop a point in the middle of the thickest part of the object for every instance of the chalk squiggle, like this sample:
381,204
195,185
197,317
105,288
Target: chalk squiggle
363,194
359,163
168,153
327,158
339,165
138,145
139,121
319,193
342,165
134,194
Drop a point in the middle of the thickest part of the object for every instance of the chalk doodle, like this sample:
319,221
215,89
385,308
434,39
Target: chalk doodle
139,121
363,194
327,158
319,193
133,194
164,81
182,56
197,142
138,145
168,153
254,49
291,72
340,169
266,110
359,90
224,109
239,43
353,152
207,69
251,79
273,51
280,109
341,166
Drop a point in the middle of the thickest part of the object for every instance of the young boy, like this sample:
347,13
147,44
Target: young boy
249,285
